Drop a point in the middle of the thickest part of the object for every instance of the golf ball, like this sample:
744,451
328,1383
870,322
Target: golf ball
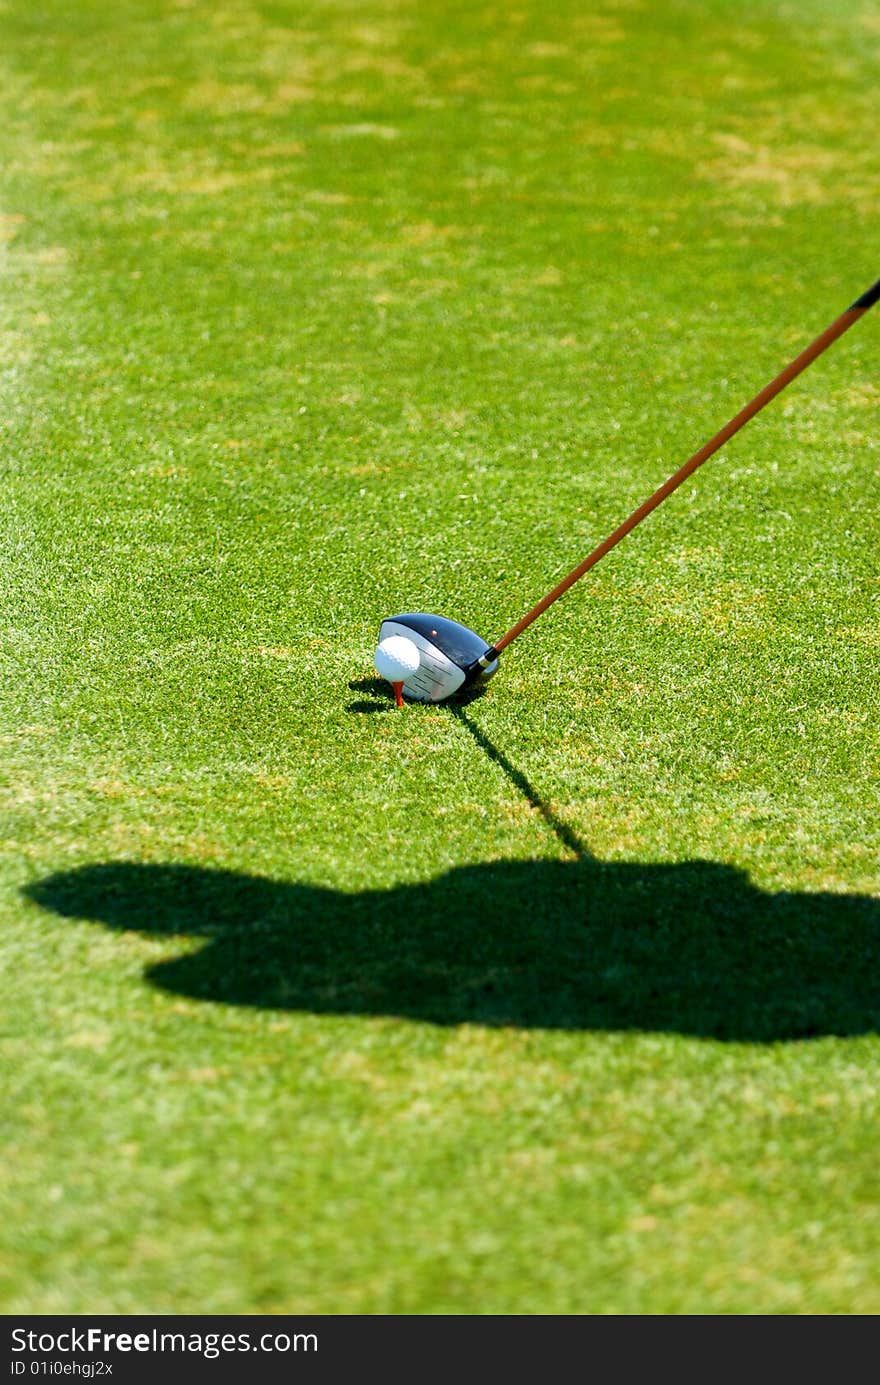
396,658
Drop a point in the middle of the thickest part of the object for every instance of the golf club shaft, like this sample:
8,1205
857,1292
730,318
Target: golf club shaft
769,392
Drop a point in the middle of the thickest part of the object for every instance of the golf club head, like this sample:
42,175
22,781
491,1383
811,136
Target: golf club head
451,656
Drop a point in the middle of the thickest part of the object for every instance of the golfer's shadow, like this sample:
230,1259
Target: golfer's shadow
691,948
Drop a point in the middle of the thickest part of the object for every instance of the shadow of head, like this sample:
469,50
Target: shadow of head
691,948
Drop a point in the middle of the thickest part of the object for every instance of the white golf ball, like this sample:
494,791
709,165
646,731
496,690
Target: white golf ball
396,658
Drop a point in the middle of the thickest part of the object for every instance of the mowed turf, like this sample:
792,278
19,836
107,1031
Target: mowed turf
563,1000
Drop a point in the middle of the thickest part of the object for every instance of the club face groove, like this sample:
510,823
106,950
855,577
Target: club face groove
449,655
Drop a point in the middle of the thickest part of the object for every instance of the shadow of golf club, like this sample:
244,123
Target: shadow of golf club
566,835
691,948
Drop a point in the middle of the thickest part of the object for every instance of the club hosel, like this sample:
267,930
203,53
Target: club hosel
867,299
480,665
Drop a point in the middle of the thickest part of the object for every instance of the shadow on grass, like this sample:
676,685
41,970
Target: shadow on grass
379,688
692,948
382,700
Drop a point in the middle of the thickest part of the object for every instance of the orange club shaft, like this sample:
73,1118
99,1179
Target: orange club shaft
785,377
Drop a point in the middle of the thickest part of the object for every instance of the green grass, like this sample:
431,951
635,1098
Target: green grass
562,1001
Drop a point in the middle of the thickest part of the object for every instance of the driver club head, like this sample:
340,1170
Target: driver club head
451,656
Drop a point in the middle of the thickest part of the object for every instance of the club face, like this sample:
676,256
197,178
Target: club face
448,655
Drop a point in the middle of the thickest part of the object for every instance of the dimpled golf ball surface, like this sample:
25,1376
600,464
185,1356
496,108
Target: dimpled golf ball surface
396,658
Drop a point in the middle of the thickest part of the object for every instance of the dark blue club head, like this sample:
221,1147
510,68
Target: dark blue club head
451,656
